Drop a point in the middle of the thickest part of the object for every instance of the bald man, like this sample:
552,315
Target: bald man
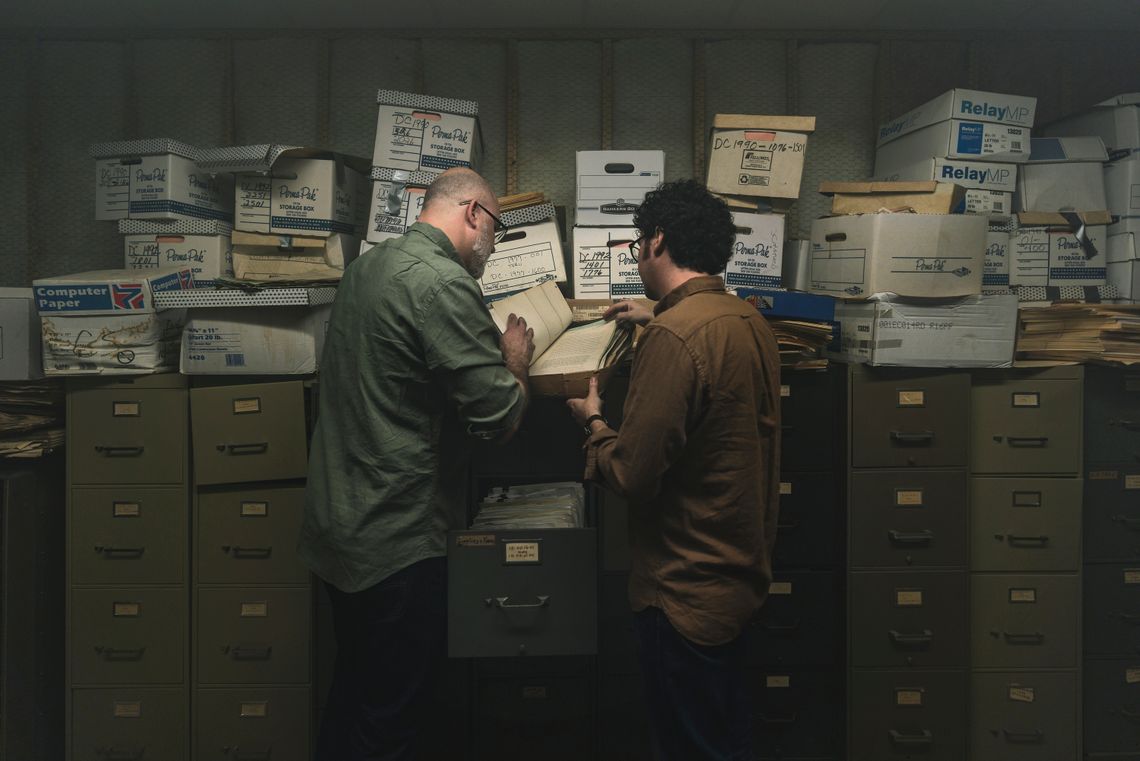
413,369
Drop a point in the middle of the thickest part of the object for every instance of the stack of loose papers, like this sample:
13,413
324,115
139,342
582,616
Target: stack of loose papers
532,506
1080,333
31,418
801,342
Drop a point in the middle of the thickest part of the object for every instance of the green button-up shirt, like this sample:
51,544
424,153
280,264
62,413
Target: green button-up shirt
411,369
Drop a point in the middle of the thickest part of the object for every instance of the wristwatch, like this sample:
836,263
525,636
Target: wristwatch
591,419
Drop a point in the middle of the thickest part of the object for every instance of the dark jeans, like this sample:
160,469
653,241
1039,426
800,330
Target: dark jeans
699,705
390,640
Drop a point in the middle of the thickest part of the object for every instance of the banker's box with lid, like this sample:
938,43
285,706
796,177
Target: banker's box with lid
426,132
528,255
157,179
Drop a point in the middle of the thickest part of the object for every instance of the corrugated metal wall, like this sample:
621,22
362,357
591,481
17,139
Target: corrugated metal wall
541,99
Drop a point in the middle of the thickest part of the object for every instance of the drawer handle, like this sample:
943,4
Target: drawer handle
787,526
260,447
248,553
252,755
923,737
924,537
794,626
112,451
501,602
1130,618
1129,713
1013,638
1036,736
1129,425
1025,541
121,754
126,553
249,652
912,639
912,439
1028,441
790,718
1132,524
120,653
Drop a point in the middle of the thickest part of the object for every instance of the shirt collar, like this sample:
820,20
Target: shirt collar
439,238
688,288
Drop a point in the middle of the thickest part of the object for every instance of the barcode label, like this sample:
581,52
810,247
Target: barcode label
235,360
999,206
1015,145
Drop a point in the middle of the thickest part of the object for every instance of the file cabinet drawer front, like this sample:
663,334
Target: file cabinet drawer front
1025,524
129,722
800,624
617,643
1111,697
1112,610
1024,716
797,714
249,536
259,723
1024,621
908,619
808,402
520,592
809,532
127,436
1112,513
905,715
534,717
128,636
623,720
1030,426
248,433
128,535
908,419
908,518
1112,414
255,635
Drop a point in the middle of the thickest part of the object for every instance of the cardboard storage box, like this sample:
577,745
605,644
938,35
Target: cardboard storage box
611,184
108,291
264,257
591,254
921,197
752,155
244,341
795,268
1125,277
397,200
995,272
1063,173
980,175
305,193
1116,121
20,353
208,256
989,202
757,252
157,179
974,105
1122,186
426,132
975,331
1048,249
935,255
955,139
111,344
528,255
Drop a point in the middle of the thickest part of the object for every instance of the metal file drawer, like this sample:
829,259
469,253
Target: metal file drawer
246,433
1025,426
1112,513
908,618
127,436
1024,716
253,635
907,518
908,715
1025,524
548,441
1112,610
131,635
809,532
1024,621
146,724
797,714
1112,706
623,719
1112,414
249,536
800,624
522,592
910,418
537,717
808,404
128,535
617,639
259,724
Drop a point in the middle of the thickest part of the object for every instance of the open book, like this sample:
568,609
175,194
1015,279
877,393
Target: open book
561,350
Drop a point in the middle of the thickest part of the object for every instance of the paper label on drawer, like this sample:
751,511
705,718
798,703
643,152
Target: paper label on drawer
1132,575
534,692
259,609
1023,595
912,398
1132,481
908,598
908,497
1131,383
1103,475
126,709
125,409
1020,694
778,682
780,588
254,710
905,697
125,509
785,390
785,488
1030,399
521,552
254,509
247,406
1132,676
475,540
126,609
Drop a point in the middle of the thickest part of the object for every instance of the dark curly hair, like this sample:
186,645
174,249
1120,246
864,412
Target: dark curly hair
697,225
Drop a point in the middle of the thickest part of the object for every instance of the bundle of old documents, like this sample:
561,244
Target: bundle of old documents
31,418
801,342
1080,333
532,506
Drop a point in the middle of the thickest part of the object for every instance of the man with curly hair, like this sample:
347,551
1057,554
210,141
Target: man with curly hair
697,459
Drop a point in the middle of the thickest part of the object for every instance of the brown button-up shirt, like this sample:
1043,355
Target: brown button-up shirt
697,458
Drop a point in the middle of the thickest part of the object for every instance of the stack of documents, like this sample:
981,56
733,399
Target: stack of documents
801,342
1080,333
31,418
531,506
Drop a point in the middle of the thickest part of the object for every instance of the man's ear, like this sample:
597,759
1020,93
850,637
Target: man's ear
658,242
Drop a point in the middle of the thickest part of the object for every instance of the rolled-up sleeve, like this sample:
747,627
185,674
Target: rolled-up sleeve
461,346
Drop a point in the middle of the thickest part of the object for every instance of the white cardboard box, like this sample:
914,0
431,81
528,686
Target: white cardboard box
995,275
1125,277
980,175
157,179
955,139
208,256
1047,251
1125,225
795,267
302,196
1116,121
926,255
267,257
974,331
111,344
974,105
395,206
611,184
1122,247
592,256
1122,186
20,353
426,133
528,255
244,341
757,253
754,155
108,291
1062,174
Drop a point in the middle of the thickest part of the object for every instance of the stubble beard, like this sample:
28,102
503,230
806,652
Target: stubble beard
481,251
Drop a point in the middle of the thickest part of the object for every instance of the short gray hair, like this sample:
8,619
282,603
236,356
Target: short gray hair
456,185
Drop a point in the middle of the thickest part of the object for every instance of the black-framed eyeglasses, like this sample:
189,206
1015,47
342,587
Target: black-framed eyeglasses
634,246
500,228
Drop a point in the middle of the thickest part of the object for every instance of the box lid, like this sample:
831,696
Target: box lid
174,227
755,121
1048,218
274,240
261,157
1124,99
831,187
1060,150
528,215
154,146
427,102
402,176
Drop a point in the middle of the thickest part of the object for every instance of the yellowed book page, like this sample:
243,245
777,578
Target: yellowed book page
577,350
544,309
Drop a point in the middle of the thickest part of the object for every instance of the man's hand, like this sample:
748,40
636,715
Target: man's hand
581,409
635,312
517,346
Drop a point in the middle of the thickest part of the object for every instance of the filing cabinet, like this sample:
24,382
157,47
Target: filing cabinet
127,635
907,519
548,441
252,723
547,717
809,531
127,534
129,723
914,619
1112,512
1112,610
1024,716
1112,706
908,715
1112,414
798,625
613,518
905,418
797,714
1026,422
249,536
623,720
1026,524
1025,621
253,635
808,421
617,640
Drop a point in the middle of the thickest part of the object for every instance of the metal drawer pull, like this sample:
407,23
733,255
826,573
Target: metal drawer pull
924,537
924,637
1036,736
128,553
1130,425
1132,524
1023,541
1028,441
787,526
121,754
922,737
252,755
249,652
912,439
791,718
501,602
110,451
1036,638
1130,714
248,553
794,626
120,653
1130,618
260,447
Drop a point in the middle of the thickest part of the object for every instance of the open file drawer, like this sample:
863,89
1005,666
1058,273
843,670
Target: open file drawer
522,592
